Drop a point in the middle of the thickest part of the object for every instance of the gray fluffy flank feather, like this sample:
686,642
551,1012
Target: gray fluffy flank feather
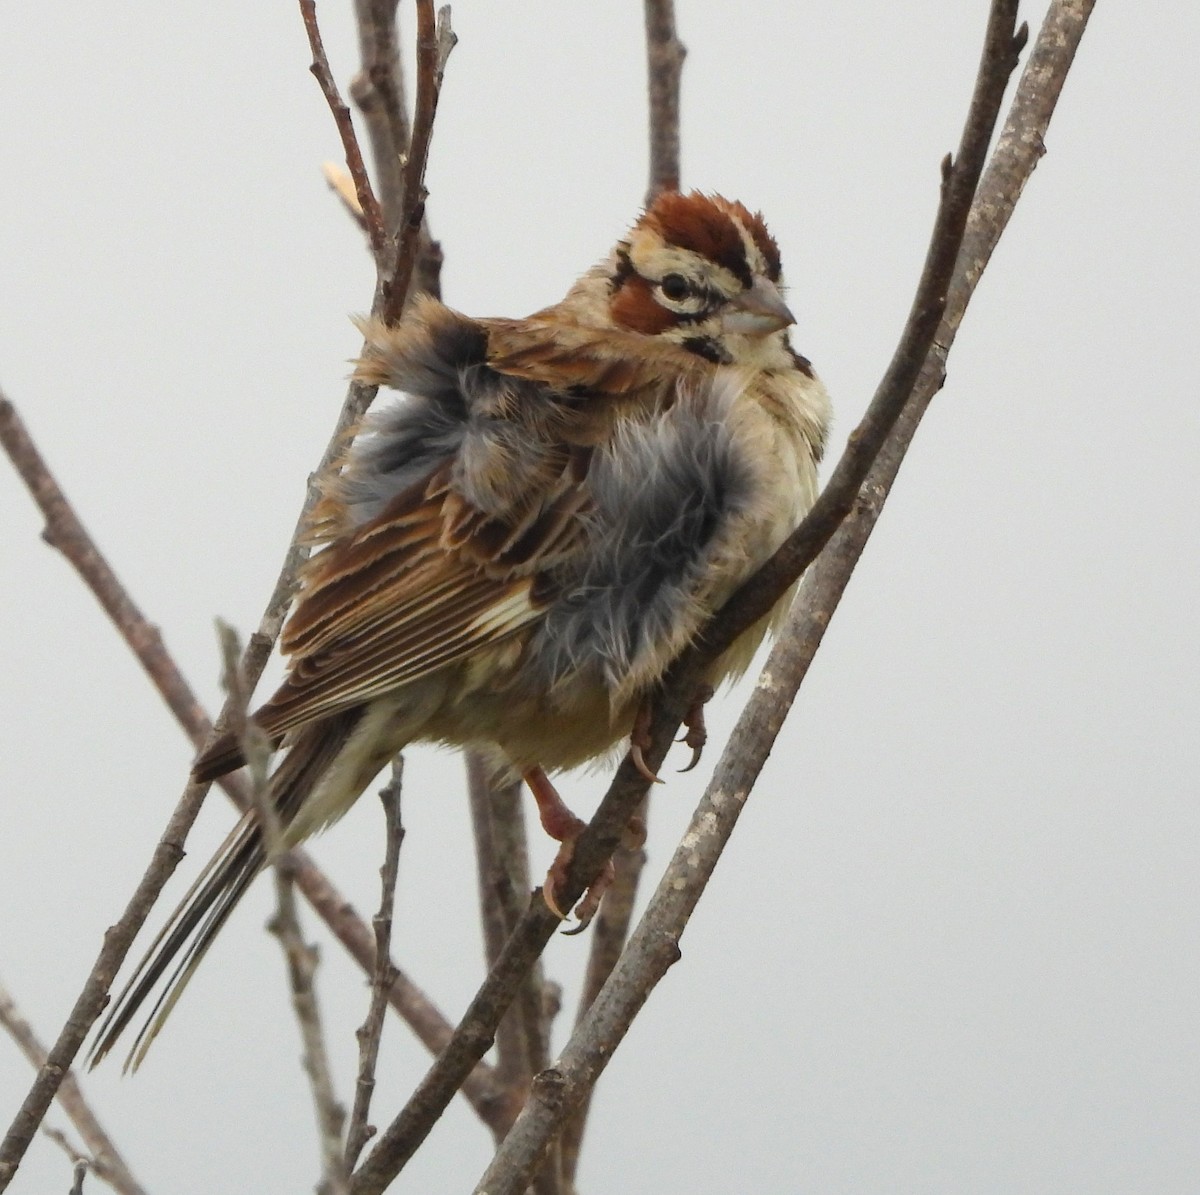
452,411
665,491
662,493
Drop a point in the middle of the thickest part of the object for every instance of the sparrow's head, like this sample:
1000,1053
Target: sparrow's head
704,273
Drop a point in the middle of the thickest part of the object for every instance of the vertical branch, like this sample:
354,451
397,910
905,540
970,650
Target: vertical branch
502,865
301,958
665,55
523,1035
378,90
664,60
384,974
435,40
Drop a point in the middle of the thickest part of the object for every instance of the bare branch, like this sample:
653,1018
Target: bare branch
603,834
433,52
609,932
301,958
482,1088
523,1035
367,203
435,40
654,946
105,1159
66,532
502,865
665,54
378,90
384,975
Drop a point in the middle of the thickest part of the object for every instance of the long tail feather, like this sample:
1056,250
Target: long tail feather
193,926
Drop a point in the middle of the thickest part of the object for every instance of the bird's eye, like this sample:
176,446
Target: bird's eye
674,287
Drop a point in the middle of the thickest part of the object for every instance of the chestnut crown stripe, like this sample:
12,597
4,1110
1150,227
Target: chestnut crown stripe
706,225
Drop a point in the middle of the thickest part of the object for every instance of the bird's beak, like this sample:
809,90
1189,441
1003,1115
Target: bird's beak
758,311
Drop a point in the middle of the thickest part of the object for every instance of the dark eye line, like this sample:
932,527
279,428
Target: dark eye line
681,288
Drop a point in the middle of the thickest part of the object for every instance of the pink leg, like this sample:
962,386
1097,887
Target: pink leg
563,826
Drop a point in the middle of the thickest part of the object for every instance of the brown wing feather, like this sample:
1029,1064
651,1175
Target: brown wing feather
432,580
612,371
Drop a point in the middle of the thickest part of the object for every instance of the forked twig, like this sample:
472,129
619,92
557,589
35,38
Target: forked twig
368,205
435,40
169,850
378,90
65,531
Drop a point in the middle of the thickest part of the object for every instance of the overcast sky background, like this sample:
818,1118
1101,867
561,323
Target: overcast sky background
953,946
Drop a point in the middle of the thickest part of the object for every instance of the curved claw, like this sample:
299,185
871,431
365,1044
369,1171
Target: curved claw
551,902
639,762
697,751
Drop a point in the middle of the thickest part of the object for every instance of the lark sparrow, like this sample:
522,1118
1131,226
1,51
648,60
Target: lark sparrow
516,551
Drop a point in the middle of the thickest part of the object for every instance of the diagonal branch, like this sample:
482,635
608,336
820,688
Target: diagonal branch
367,203
65,531
105,1158
600,839
433,51
654,946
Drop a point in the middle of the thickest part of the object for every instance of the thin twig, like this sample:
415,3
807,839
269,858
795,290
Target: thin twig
370,1034
654,946
600,839
435,40
105,1159
502,857
169,850
378,90
482,1088
301,958
367,202
66,532
609,933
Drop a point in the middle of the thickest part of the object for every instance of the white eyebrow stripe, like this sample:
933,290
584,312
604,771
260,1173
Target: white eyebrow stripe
754,256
